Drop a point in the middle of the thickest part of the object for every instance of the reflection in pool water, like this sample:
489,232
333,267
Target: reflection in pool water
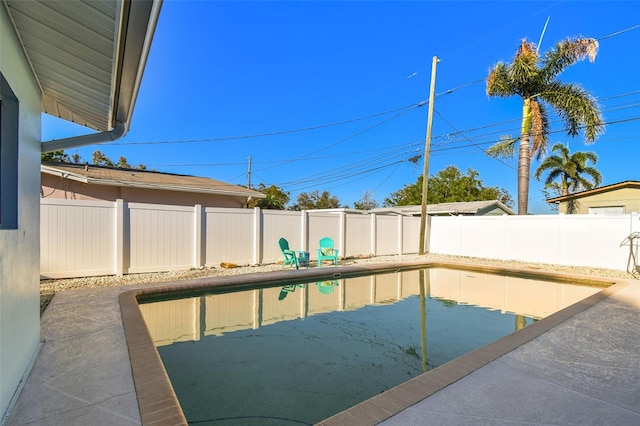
300,353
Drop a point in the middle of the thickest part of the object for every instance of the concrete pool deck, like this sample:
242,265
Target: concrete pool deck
580,366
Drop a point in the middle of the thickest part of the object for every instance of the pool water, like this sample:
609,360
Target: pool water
298,354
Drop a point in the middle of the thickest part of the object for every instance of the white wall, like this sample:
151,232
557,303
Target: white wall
19,249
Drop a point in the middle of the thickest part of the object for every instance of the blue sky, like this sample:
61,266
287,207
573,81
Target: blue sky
230,80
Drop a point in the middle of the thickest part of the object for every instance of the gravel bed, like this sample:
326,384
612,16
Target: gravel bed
48,288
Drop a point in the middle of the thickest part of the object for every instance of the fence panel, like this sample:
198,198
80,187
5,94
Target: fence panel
534,238
76,238
323,225
229,236
387,235
278,224
161,238
594,241
358,235
578,240
410,234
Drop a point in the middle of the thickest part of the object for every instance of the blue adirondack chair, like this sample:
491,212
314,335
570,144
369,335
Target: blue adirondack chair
295,258
327,252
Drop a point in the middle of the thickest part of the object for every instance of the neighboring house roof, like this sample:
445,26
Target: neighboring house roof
100,175
478,208
87,56
620,185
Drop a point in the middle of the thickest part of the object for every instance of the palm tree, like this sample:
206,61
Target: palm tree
534,79
570,169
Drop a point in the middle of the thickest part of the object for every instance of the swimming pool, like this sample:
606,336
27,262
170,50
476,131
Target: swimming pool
432,313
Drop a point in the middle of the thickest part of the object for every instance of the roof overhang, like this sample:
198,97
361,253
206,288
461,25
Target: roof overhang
88,59
77,177
589,192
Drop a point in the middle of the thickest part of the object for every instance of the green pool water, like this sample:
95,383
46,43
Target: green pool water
299,354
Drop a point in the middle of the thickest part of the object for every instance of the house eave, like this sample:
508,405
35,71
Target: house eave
142,185
88,60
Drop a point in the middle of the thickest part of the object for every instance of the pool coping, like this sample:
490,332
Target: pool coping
158,403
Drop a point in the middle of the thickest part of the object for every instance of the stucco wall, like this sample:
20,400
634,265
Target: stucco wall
55,187
20,248
627,197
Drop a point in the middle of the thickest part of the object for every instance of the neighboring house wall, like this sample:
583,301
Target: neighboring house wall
19,248
55,187
628,198
495,211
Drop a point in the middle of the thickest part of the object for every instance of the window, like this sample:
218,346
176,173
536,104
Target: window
8,156
607,210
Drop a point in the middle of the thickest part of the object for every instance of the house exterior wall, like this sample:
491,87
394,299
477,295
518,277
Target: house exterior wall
20,248
55,187
629,198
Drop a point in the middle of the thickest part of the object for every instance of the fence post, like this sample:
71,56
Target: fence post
257,236
197,236
120,238
304,229
427,239
374,236
400,218
343,234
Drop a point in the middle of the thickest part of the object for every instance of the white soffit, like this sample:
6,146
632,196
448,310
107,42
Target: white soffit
87,56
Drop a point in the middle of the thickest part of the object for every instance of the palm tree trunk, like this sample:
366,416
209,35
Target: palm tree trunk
524,159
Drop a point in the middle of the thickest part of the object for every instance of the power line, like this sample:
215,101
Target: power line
617,33
325,147
277,133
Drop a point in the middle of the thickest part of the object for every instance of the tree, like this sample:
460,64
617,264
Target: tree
315,201
572,170
449,185
276,199
55,156
366,202
534,79
98,158
409,195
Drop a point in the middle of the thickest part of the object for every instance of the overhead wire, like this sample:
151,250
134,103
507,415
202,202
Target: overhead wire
445,139
276,133
482,139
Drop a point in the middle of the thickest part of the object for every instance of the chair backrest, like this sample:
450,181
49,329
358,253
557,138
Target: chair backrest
284,244
326,242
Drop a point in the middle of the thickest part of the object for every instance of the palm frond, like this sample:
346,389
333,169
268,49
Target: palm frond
506,148
577,109
566,53
498,82
594,174
539,129
523,71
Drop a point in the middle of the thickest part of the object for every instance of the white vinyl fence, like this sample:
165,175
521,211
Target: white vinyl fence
87,238
575,240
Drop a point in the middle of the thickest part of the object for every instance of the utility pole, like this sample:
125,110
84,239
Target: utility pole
427,149
249,174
